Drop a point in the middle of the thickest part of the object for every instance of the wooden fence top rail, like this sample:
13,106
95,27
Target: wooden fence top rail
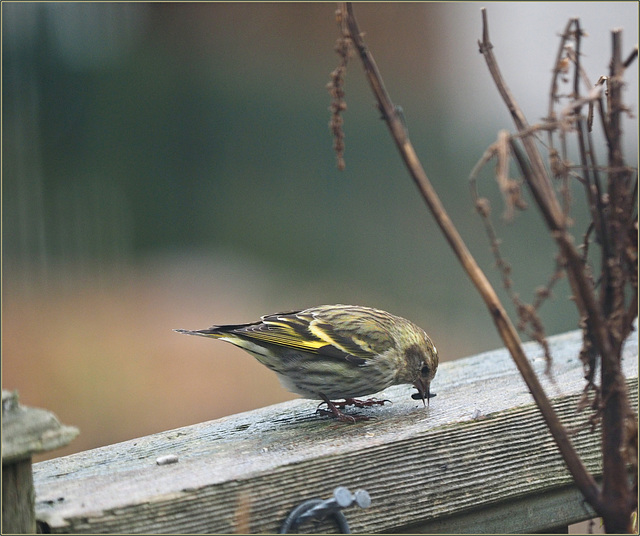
478,459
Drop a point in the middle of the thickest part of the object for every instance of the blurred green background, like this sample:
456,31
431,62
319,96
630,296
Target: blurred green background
171,166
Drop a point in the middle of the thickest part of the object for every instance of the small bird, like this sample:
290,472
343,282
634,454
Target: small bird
337,351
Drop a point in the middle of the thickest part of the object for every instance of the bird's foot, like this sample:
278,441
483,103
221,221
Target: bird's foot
334,408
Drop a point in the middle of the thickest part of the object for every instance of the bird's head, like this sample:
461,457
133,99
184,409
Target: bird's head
421,363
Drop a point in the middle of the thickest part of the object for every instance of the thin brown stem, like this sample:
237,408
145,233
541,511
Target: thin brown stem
631,58
592,187
540,185
602,319
559,67
553,207
615,487
505,328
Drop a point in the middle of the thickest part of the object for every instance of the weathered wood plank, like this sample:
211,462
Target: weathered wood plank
557,508
479,447
18,496
25,432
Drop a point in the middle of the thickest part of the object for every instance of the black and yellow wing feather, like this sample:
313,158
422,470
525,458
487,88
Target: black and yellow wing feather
355,334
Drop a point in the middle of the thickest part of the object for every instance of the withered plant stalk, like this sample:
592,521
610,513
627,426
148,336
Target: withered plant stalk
606,317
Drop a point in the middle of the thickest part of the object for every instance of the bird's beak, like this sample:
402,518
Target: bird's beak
423,390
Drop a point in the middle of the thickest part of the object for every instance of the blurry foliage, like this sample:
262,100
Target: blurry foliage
174,144
134,133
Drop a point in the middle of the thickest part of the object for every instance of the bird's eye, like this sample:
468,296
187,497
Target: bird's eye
425,370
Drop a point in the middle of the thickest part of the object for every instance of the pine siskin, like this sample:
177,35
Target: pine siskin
337,351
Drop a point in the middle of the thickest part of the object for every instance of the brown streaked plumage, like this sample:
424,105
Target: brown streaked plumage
336,351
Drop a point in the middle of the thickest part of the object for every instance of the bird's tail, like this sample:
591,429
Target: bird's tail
210,332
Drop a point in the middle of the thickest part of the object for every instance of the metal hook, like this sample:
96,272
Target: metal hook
318,509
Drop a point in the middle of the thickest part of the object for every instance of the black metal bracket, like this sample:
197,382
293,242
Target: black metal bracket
319,509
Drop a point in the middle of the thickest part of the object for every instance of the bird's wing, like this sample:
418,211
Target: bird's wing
345,335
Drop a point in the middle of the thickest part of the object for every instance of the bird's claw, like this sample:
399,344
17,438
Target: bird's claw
333,408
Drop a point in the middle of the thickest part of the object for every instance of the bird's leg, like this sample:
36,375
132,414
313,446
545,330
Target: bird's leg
335,412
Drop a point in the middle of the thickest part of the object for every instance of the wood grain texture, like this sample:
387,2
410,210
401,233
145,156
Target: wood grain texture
18,514
478,448
27,431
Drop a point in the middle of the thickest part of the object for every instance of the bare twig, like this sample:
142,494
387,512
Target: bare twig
529,320
560,68
631,58
604,331
616,423
503,324
607,318
540,185
336,90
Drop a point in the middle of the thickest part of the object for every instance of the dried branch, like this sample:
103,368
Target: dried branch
605,318
503,324
631,58
605,323
617,420
529,320
533,171
336,90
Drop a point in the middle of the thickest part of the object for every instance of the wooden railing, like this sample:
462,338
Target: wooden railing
478,459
